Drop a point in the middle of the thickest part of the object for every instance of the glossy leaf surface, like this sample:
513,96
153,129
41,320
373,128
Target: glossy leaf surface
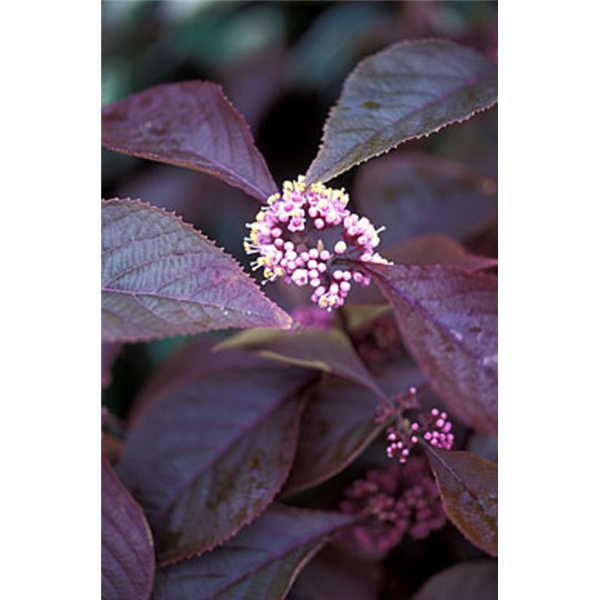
469,488
448,319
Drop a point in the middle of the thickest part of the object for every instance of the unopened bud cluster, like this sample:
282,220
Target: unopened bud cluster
396,501
404,433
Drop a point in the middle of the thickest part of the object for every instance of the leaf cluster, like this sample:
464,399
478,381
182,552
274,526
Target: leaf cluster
224,479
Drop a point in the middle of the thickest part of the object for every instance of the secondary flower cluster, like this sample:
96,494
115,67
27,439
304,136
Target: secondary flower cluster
397,501
404,433
301,234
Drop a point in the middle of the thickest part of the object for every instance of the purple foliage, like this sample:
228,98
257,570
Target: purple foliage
246,453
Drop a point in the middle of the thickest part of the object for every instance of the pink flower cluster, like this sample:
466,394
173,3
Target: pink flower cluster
404,433
396,501
302,233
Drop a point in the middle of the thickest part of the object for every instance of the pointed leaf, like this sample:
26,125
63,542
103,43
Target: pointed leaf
337,425
328,351
469,488
448,319
127,550
210,453
161,277
193,125
408,90
262,561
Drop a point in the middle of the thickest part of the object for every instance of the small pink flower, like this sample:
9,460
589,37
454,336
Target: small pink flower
404,433
303,235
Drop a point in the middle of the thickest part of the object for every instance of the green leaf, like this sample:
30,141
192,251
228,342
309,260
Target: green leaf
469,488
406,91
161,278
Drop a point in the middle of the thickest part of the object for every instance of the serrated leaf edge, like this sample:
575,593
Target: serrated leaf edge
327,177
246,132
299,410
190,228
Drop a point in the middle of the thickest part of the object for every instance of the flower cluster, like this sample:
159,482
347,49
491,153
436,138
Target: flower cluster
396,501
301,234
404,433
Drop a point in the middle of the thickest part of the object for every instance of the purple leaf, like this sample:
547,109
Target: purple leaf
161,278
261,562
469,488
190,124
471,580
420,194
448,320
408,90
211,450
337,425
328,351
334,574
127,550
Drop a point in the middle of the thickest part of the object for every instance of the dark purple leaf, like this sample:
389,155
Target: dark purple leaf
127,550
448,319
334,574
472,580
261,562
469,488
337,425
417,194
193,125
210,451
328,351
408,90
161,277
